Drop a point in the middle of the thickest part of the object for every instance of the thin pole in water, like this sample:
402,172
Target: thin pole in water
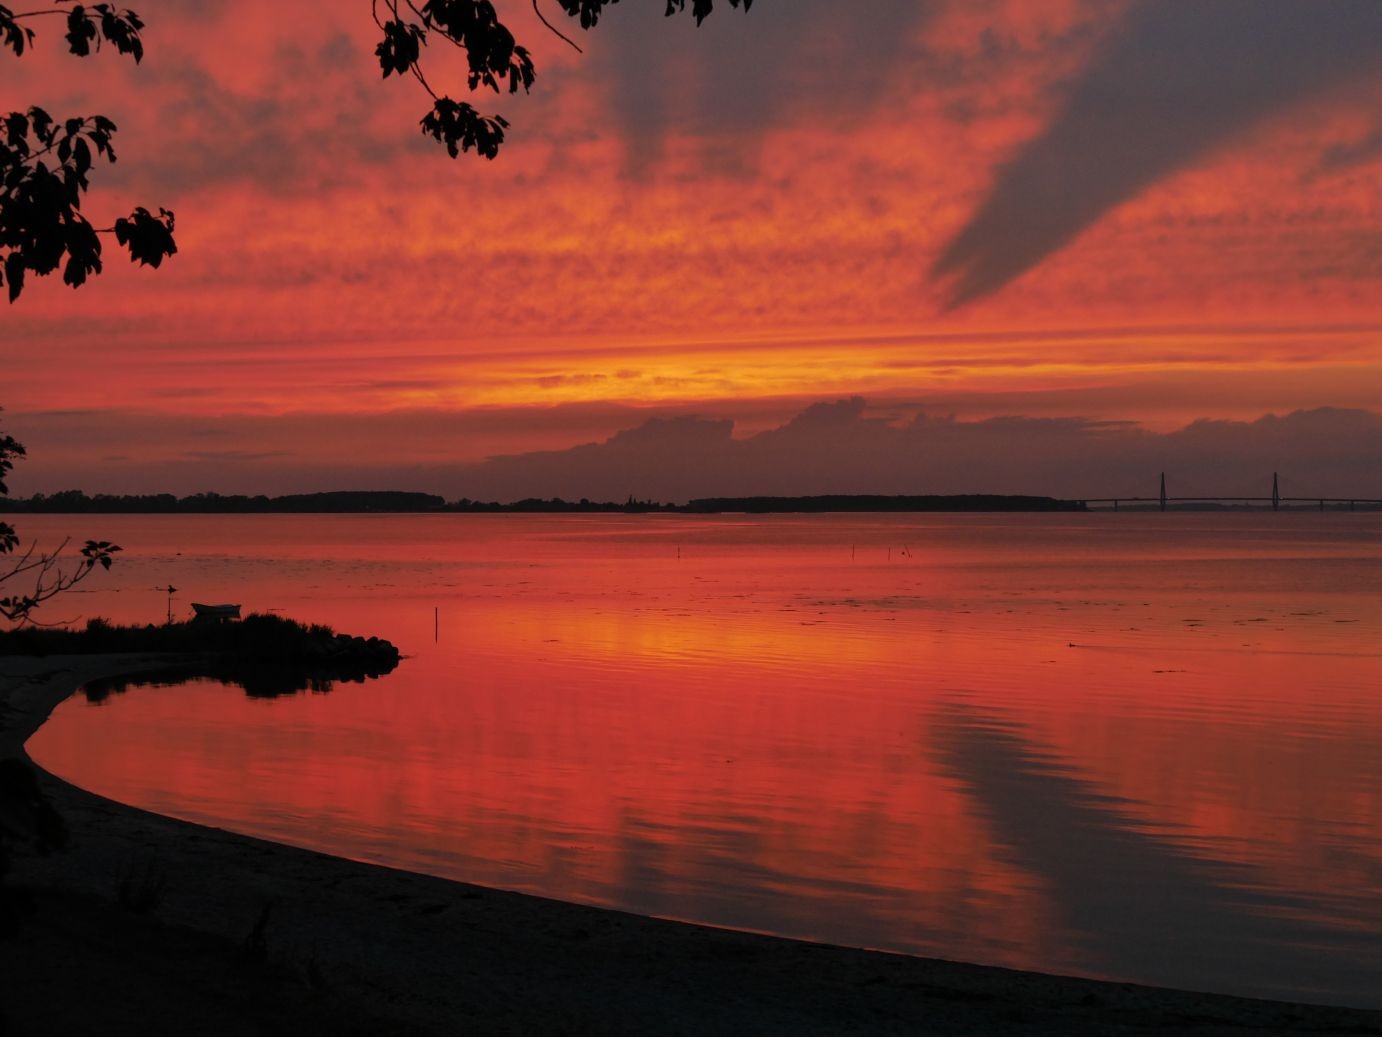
436,622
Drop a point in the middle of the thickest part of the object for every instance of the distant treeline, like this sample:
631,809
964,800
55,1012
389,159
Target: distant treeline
347,501
871,502
340,501
556,505
75,501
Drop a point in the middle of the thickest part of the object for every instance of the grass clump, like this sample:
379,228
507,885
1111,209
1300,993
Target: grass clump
258,636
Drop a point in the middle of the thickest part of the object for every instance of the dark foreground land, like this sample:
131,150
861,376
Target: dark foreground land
150,925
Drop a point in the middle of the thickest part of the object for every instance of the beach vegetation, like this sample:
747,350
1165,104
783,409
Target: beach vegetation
259,636
266,655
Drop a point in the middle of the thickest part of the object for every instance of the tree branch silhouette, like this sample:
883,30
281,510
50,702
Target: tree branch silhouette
43,574
42,226
552,28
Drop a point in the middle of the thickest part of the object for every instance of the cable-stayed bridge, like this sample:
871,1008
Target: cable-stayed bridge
1275,501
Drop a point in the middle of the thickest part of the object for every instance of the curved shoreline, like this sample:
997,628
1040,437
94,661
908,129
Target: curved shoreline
317,943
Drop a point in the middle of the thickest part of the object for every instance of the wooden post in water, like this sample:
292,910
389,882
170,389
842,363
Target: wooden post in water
1276,493
1163,491
436,622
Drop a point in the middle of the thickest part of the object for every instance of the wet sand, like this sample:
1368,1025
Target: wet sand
146,925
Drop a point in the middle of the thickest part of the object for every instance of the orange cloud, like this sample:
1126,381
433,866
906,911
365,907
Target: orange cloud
332,261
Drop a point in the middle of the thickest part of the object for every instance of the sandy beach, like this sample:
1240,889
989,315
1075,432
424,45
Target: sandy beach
146,924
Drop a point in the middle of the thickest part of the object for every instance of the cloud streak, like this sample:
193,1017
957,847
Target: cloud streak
1176,81
746,74
1136,902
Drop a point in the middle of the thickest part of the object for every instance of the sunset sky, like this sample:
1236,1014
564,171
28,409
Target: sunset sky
1031,245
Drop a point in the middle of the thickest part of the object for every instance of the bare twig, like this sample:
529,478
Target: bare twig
48,580
555,31
416,70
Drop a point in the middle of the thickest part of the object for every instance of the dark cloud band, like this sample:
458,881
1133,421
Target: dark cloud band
1178,79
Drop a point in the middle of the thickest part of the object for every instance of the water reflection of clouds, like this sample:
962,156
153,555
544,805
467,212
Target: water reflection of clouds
1136,903
676,870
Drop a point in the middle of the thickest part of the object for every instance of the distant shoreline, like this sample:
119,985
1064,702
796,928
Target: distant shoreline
74,502
383,502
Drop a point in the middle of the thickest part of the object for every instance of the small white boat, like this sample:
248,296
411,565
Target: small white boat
216,611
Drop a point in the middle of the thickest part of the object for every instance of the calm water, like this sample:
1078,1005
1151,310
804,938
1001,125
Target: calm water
1145,747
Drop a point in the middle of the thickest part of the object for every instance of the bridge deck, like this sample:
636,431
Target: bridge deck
1338,502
